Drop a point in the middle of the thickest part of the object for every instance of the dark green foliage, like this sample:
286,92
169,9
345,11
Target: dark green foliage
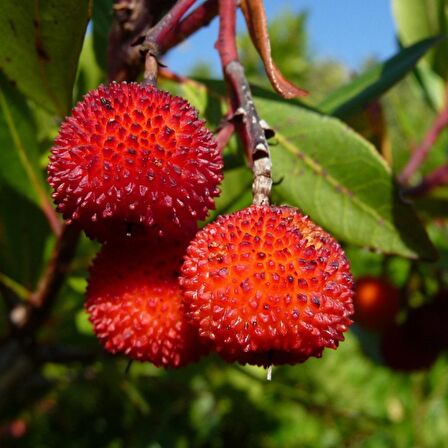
68,393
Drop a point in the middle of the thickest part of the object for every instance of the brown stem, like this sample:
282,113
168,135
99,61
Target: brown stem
134,22
29,316
151,72
52,218
433,180
248,125
224,134
419,155
11,300
65,354
197,19
157,35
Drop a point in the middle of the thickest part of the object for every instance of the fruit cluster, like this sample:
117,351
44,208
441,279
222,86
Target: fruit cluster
136,169
413,343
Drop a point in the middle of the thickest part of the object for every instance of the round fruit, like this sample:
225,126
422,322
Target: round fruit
132,159
377,303
404,348
430,320
135,305
267,286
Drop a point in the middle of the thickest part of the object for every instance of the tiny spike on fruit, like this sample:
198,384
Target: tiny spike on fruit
134,303
267,286
134,159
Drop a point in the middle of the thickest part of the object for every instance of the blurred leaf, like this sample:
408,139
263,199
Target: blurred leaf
19,151
236,192
209,101
432,85
373,83
102,19
23,235
83,324
339,179
336,177
419,19
434,205
40,48
90,75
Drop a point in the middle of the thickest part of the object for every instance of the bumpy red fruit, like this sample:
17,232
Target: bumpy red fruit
133,159
406,348
134,302
267,286
377,302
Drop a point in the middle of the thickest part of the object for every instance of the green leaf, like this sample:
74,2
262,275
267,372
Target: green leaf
432,85
40,48
19,151
236,192
90,75
419,19
376,81
338,178
23,235
334,175
102,19
434,205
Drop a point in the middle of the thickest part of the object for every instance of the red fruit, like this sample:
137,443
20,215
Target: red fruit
267,286
405,348
134,302
133,159
377,303
430,321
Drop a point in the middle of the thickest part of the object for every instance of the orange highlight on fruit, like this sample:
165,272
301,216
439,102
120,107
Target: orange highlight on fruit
135,305
132,159
265,285
377,302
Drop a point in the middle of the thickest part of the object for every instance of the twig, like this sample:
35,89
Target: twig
64,354
420,153
242,105
197,19
41,301
10,287
433,180
52,218
224,134
152,44
132,19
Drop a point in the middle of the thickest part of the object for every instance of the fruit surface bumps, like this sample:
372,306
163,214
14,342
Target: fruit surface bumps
377,302
134,303
134,159
267,286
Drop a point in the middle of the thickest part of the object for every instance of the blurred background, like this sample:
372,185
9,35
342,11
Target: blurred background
386,385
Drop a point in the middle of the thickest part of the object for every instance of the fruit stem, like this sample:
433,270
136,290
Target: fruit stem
269,373
248,123
419,155
433,180
223,134
31,315
135,19
161,32
197,19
